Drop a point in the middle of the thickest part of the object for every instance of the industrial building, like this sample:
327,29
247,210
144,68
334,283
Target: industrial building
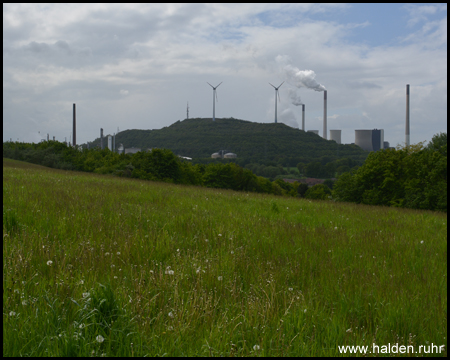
223,154
370,140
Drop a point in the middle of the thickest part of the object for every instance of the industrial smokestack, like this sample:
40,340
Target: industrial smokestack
303,117
325,114
74,126
407,116
101,138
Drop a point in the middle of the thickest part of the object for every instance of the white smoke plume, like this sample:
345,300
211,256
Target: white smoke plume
295,97
287,117
298,78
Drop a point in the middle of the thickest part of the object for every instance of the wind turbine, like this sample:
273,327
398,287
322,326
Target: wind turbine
276,93
214,99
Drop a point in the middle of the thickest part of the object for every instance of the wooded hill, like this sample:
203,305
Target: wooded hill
252,142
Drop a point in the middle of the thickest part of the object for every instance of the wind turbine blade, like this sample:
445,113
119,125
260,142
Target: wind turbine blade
219,84
280,85
210,85
273,86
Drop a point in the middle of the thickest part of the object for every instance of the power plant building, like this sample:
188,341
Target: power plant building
110,143
370,140
335,135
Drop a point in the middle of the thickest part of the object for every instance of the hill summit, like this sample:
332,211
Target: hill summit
254,142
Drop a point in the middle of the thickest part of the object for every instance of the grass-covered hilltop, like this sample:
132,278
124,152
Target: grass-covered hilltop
255,142
101,265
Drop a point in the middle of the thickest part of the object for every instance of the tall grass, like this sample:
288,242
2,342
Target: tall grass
97,265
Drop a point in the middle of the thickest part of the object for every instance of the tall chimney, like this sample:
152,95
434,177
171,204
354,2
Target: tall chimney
74,126
407,116
303,117
101,138
325,114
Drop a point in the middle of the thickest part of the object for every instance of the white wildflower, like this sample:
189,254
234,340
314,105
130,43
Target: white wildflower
170,314
220,278
256,347
49,263
100,339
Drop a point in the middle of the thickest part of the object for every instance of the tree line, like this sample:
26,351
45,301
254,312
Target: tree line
411,176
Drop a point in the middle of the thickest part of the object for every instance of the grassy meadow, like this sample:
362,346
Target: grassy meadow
95,265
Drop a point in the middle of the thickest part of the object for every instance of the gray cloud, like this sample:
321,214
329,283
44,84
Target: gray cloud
136,66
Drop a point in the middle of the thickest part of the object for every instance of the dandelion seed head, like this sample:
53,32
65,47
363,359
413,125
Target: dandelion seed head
220,278
100,339
12,313
256,347
49,263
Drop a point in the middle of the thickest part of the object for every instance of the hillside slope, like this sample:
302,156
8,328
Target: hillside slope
254,142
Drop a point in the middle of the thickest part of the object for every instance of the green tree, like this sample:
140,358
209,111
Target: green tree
301,188
319,192
439,143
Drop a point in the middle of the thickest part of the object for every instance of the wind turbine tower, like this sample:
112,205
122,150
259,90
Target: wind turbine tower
214,99
276,93
187,111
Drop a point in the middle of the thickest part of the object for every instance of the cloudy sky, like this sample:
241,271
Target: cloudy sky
136,66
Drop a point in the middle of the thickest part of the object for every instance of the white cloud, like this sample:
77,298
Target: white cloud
153,58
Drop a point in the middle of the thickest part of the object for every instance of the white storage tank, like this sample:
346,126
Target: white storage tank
230,156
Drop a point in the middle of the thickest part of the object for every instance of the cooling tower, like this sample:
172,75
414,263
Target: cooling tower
407,116
335,135
325,114
363,138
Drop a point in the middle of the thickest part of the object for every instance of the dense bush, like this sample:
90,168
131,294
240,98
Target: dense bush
412,177
318,192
